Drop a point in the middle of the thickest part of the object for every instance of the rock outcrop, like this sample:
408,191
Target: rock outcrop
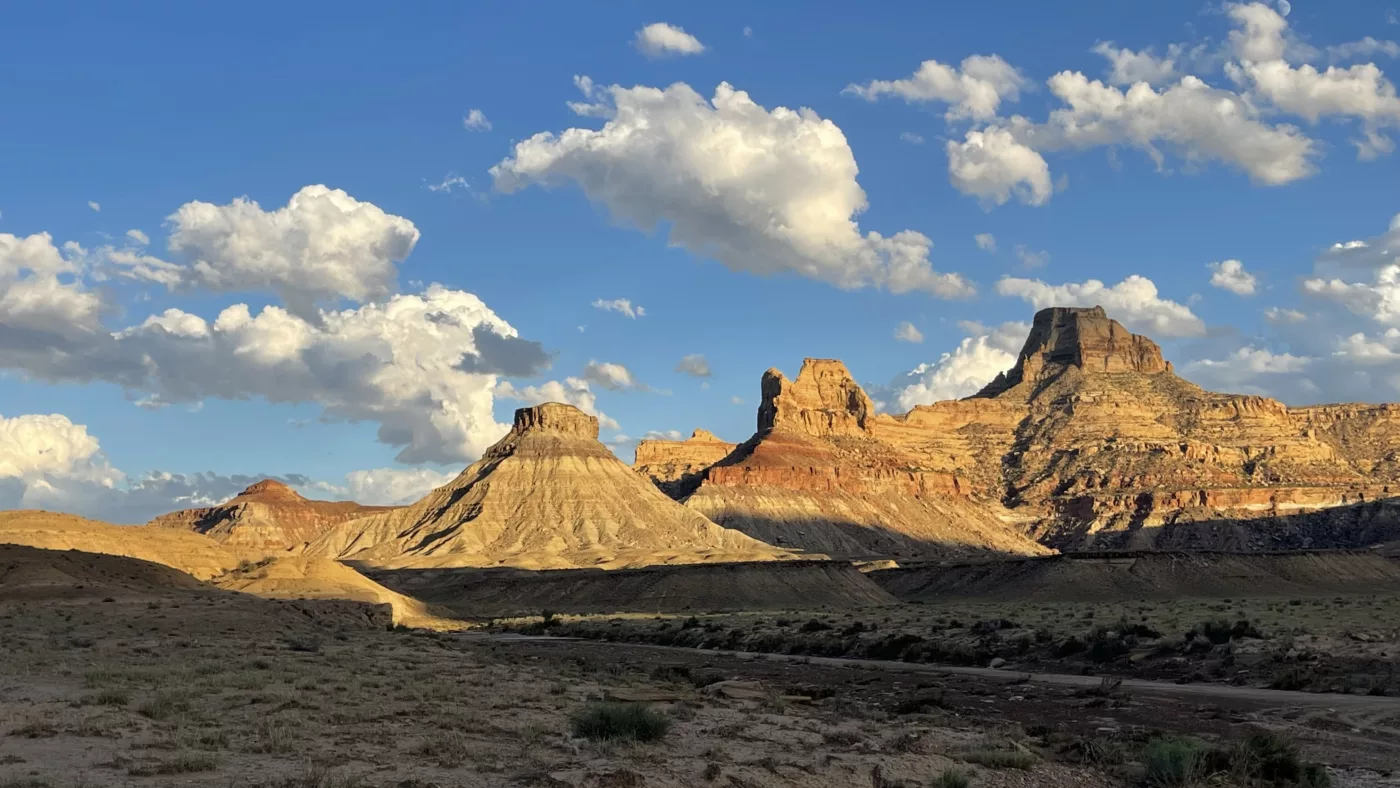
268,516
1086,338
818,475
547,495
1095,441
675,466
1091,441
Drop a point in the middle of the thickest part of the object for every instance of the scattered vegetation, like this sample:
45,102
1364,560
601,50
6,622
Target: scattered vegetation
952,778
181,763
448,749
610,721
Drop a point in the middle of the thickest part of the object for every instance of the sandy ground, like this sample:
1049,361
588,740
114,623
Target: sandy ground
221,689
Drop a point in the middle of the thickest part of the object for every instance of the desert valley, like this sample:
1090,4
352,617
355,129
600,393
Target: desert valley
1091,572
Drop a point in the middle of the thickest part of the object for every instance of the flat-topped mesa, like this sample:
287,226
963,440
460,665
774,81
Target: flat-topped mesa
824,400
556,417
1083,337
270,490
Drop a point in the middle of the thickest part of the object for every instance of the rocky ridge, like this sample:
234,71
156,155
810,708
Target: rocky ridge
1090,441
546,496
267,516
818,475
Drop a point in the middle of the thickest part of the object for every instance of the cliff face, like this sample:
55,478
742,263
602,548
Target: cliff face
268,516
675,466
546,496
1090,441
1097,442
820,475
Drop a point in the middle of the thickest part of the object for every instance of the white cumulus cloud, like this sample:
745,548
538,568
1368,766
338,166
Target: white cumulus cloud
662,40
761,191
975,89
613,377
962,372
1231,275
322,245
986,242
993,166
1133,301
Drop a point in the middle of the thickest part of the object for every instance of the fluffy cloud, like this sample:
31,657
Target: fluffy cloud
41,303
572,391
1378,299
621,306
97,207
1134,301
974,363
1127,67
695,365
48,462
1200,122
137,237
1230,275
662,40
321,246
1245,371
993,166
906,332
613,377
423,366
34,447
475,120
761,191
986,242
1264,45
391,486
973,90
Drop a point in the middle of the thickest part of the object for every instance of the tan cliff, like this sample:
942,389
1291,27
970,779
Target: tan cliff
819,475
675,466
546,496
1090,441
267,516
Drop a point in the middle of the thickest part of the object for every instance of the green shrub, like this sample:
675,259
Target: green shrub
1273,759
951,779
609,721
1176,761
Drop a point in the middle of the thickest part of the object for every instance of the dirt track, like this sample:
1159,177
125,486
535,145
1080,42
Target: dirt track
1356,731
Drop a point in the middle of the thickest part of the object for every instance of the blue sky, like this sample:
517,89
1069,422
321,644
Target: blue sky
1239,144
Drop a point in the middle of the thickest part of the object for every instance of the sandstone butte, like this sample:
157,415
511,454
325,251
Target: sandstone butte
268,516
546,496
1091,441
